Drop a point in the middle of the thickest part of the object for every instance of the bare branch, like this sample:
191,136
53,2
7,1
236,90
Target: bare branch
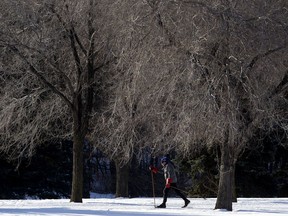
42,78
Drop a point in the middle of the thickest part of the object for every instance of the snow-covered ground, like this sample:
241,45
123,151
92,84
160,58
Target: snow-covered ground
107,205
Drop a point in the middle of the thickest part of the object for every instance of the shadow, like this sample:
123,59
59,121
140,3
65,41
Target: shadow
58,211
264,211
67,211
280,202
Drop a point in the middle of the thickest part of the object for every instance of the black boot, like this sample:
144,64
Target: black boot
163,205
186,203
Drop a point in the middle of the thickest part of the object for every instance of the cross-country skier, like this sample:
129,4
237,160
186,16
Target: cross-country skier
171,181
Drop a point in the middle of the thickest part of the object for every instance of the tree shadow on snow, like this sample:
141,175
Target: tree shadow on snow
67,211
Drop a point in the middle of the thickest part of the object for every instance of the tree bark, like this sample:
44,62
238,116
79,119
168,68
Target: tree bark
78,144
122,179
233,179
224,196
77,177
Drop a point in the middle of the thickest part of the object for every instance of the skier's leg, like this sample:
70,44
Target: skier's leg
165,195
179,193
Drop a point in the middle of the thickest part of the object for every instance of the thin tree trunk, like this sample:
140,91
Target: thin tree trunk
224,196
78,144
77,177
122,179
234,194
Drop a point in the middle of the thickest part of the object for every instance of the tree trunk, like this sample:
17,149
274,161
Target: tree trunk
122,179
78,143
224,196
234,194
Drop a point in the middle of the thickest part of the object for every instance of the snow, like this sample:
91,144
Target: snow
108,205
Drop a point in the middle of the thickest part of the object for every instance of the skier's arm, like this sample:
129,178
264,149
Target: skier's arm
153,169
168,182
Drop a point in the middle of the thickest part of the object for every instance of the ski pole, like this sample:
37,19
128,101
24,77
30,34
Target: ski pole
153,188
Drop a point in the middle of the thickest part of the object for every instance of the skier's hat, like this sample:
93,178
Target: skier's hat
164,159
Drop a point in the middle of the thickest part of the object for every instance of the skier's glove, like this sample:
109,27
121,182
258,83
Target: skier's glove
168,182
153,169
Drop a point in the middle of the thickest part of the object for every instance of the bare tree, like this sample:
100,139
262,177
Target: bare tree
231,96
124,121
26,117
61,45
225,47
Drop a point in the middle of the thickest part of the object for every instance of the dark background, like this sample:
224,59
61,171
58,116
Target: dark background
261,171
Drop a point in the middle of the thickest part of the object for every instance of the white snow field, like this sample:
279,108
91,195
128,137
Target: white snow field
142,207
